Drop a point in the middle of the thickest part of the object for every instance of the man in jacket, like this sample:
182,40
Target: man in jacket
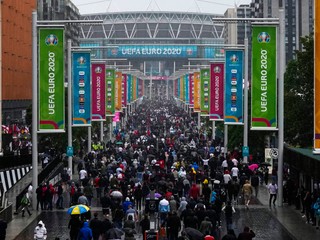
173,225
247,234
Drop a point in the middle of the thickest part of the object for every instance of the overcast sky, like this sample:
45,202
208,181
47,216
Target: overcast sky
201,6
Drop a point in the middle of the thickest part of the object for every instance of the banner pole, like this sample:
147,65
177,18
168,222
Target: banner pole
245,95
213,137
69,107
34,109
89,139
101,131
282,65
225,140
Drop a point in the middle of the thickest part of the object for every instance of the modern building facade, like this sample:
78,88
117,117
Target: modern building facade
16,57
299,16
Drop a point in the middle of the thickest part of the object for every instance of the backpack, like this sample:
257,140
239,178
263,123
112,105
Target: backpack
24,200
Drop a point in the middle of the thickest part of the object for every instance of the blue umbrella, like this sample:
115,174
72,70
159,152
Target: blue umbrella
78,209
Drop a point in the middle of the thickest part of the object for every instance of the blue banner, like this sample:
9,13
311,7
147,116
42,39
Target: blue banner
233,87
153,51
129,88
81,88
186,88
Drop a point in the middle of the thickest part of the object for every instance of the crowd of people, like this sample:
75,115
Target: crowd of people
161,167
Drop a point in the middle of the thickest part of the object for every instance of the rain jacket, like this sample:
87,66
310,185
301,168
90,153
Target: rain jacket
40,233
85,232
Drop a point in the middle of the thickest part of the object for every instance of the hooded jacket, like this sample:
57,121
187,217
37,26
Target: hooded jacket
40,232
85,232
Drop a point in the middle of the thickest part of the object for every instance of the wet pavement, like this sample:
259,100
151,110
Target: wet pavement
279,223
259,218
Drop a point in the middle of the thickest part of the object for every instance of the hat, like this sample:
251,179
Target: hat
40,222
127,199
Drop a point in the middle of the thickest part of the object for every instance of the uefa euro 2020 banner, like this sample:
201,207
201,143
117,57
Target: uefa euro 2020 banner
118,92
196,96
205,91
191,90
264,78
316,143
81,88
124,91
233,108
186,89
110,91
98,71
51,80
216,91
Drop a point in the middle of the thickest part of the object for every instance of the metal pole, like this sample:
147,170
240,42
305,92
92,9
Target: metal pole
69,107
1,151
213,137
34,109
199,120
89,139
245,104
101,132
225,140
110,130
174,74
151,83
281,70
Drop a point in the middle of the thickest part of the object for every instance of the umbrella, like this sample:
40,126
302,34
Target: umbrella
116,194
119,143
265,164
78,209
193,234
253,167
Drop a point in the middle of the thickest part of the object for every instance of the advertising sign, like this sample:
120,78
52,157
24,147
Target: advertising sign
153,51
81,88
98,100
233,84
51,80
186,88
264,78
191,90
129,88
124,91
205,91
110,92
216,91
197,100
118,92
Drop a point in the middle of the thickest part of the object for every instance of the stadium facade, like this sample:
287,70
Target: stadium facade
156,44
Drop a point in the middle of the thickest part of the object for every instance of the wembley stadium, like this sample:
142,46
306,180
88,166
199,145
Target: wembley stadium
156,44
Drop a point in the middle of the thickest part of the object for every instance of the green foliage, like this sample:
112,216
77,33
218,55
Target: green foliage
298,96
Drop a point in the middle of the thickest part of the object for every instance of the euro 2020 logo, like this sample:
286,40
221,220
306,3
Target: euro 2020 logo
217,69
51,40
264,37
98,70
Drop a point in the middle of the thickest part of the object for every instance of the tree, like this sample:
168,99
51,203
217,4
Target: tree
298,96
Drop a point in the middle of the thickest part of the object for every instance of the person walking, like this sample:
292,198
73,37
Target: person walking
255,183
25,203
229,211
273,190
40,231
85,232
95,225
173,226
247,234
3,229
247,193
145,225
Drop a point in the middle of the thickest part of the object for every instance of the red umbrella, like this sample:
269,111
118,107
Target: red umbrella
253,167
